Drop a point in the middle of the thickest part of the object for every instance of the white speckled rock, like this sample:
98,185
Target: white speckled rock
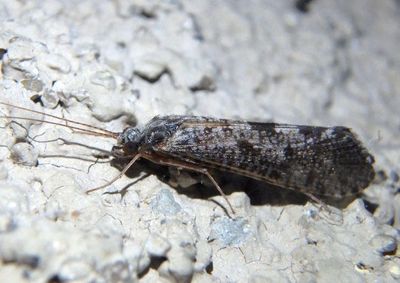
260,60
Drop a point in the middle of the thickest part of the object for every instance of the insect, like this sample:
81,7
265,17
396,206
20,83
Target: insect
322,161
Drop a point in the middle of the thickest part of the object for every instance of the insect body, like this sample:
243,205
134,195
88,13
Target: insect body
315,160
325,161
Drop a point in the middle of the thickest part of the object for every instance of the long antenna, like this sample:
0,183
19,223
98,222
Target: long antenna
59,118
103,132
85,131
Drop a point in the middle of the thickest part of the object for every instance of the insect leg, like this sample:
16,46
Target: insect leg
126,168
190,167
205,172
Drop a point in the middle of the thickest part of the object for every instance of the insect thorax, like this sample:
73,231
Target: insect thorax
129,140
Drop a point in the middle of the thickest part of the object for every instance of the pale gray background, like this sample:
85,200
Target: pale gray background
109,63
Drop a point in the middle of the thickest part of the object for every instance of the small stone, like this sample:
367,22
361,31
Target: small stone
24,153
20,49
179,266
229,231
157,246
165,203
50,99
34,85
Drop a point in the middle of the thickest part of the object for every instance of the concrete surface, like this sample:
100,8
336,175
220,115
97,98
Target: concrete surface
118,63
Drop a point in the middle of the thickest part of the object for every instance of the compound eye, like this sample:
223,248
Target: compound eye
129,135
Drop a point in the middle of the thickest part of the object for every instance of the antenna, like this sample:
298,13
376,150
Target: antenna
96,132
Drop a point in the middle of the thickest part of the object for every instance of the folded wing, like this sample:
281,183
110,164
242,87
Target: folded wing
317,160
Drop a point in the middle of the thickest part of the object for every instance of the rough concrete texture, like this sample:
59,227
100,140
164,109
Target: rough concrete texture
114,63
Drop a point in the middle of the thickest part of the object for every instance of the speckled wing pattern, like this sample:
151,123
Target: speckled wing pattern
317,160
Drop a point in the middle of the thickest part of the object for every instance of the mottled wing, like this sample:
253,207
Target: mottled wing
317,160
